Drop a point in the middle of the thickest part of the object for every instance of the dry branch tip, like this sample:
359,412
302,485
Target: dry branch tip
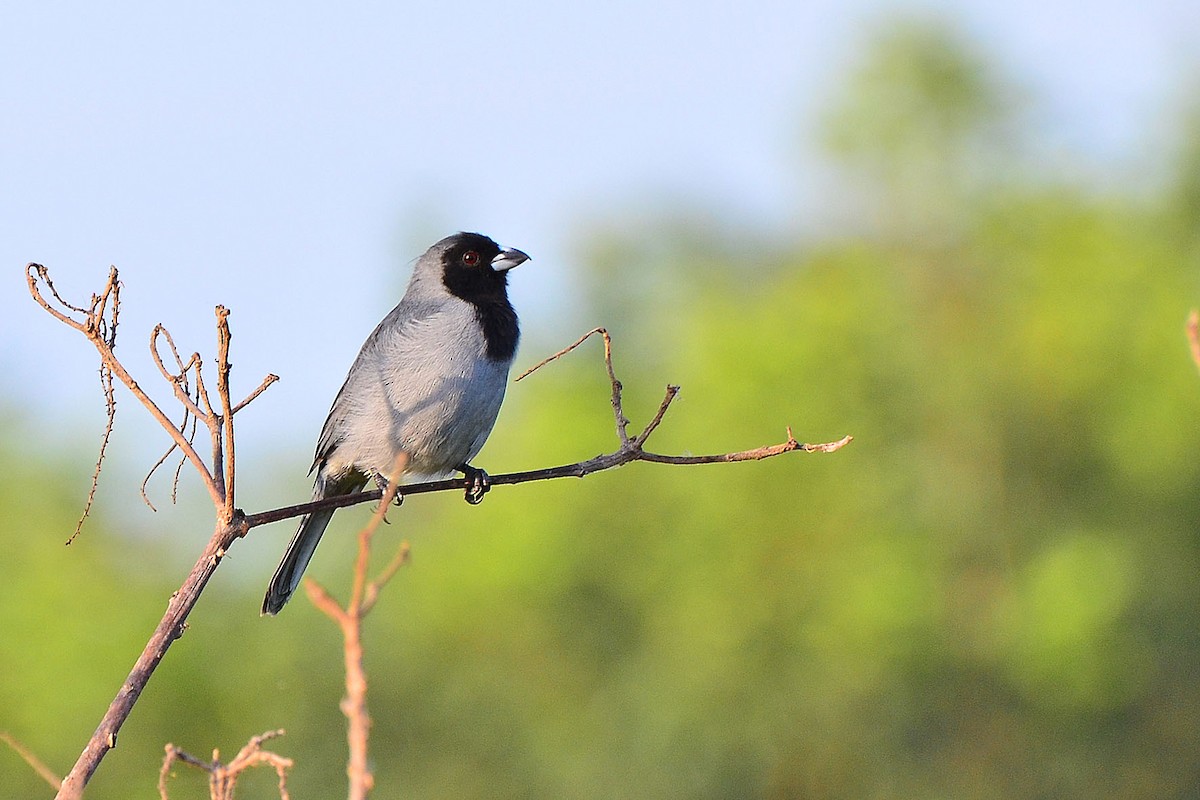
30,758
223,777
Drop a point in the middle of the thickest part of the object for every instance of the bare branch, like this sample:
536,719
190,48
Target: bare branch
98,323
222,778
223,338
323,600
96,326
28,756
170,628
191,415
174,754
142,489
757,454
558,355
178,380
579,469
110,414
99,334
363,594
381,580
662,409
262,387
618,413
34,272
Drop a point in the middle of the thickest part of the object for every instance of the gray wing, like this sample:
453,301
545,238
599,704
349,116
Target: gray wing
346,408
421,384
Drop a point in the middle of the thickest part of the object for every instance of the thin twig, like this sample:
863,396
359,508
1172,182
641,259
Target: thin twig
381,580
90,327
39,766
180,381
110,419
223,366
658,417
558,355
200,407
96,325
363,594
757,454
222,778
262,387
66,319
618,413
213,423
106,330
191,437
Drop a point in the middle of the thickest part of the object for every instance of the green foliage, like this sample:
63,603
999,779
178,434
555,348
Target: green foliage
989,594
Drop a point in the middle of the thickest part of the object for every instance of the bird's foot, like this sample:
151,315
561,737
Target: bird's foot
383,484
478,484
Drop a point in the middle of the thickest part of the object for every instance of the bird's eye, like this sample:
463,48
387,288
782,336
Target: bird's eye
470,258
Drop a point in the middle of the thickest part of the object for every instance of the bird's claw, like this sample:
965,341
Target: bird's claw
478,484
383,485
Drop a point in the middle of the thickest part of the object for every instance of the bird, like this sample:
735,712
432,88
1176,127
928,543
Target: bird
423,393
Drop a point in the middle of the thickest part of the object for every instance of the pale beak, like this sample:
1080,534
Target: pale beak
508,258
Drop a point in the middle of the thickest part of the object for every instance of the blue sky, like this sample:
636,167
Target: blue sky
289,160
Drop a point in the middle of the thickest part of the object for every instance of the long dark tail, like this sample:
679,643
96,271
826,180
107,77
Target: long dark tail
300,550
287,575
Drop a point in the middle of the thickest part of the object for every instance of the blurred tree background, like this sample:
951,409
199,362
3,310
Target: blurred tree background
992,593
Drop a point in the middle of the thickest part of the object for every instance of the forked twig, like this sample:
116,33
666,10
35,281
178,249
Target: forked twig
101,334
617,388
178,378
222,778
371,593
363,594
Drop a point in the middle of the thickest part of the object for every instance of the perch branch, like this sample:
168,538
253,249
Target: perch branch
631,449
579,469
